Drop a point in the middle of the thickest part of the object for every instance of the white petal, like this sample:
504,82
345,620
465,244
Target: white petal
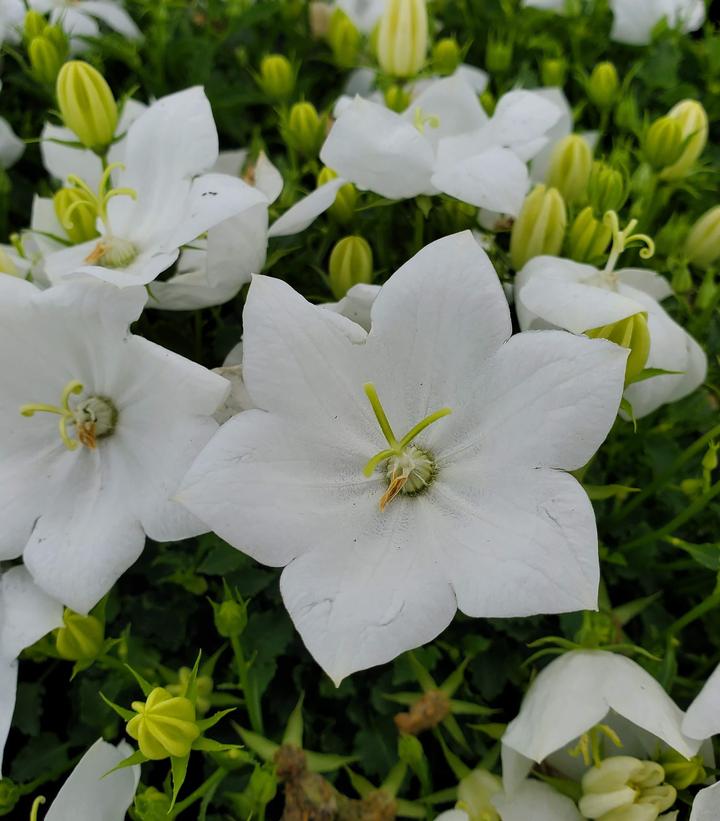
76,25
702,719
268,179
63,160
529,531
494,179
650,282
113,15
305,211
548,5
8,688
378,150
475,77
538,801
541,161
231,162
453,815
706,803
364,13
26,612
356,304
89,793
11,146
523,117
576,691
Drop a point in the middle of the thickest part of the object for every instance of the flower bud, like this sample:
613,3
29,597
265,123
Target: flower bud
707,292
627,113
617,784
702,247
344,39
58,38
632,333
553,71
663,143
540,226
343,209
693,121
403,37
164,725
34,25
396,98
604,86
499,55
570,167
203,689
588,237
351,262
45,60
152,805
607,190
304,130
681,772
446,55
277,77
87,105
488,102
319,14
9,796
77,214
681,280
81,638
230,618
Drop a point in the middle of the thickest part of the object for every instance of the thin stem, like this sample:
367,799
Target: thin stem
710,603
252,702
210,784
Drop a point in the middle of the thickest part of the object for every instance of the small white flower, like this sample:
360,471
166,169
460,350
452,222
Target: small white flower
26,615
551,292
90,793
384,541
98,429
161,199
634,20
82,18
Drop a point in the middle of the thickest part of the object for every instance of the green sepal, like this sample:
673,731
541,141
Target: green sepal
426,681
453,728
649,373
628,611
135,758
494,730
455,679
459,768
178,766
145,685
360,784
209,745
409,809
627,408
191,686
265,748
327,762
598,493
123,712
294,728
410,750
406,699
467,708
207,723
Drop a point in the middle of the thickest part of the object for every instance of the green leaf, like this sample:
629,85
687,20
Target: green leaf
207,723
294,727
135,758
626,612
209,745
191,686
327,762
124,713
406,699
179,765
707,555
265,748
495,730
145,686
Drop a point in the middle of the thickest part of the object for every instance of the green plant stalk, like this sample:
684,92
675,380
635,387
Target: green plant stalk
210,783
252,701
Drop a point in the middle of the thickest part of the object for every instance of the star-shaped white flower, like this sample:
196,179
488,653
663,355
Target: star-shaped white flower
82,18
26,615
161,199
90,792
98,429
560,293
634,20
477,511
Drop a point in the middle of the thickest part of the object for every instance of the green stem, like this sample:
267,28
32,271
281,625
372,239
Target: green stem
711,602
211,783
252,701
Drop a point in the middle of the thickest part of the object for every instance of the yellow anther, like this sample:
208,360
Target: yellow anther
63,410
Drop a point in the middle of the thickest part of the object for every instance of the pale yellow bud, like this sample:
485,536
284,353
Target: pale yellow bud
570,168
540,226
351,263
702,246
403,37
87,105
693,120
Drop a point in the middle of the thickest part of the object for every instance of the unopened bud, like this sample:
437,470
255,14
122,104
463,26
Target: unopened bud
152,805
693,121
164,725
396,98
681,772
631,333
77,214
604,86
446,55
203,688
45,60
607,189
351,262
56,35
488,102
707,292
663,143
319,15
499,55
553,71
403,37
81,638
277,77
344,39
681,279
87,105
304,130
343,209
702,246
34,25
570,168
230,618
10,794
540,226
588,237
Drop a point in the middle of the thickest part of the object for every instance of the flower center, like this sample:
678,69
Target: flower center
94,417
422,119
408,468
112,252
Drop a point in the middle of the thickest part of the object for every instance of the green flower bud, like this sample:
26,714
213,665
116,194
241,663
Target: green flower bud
604,86
499,55
344,39
351,262
553,71
152,805
681,772
693,121
81,638
34,25
570,168
633,333
403,37
396,98
681,280
540,226
232,759
230,618
446,55
304,129
488,102
588,237
87,105
45,60
607,189
164,725
277,77
707,291
77,214
58,38
663,142
343,209
9,796
702,246
203,689
627,113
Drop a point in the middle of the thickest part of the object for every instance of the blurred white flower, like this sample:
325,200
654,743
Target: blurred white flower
706,806
26,615
98,429
12,15
634,20
83,18
703,715
90,793
384,538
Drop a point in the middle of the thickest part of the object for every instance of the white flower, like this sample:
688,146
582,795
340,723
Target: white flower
634,20
706,804
703,715
81,18
162,199
12,14
356,304
576,693
110,423
559,293
479,507
11,146
364,13
89,793
26,615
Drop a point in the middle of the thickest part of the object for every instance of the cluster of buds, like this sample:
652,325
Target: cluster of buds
47,47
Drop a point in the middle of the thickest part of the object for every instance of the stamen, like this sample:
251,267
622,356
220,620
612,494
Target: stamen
397,483
590,744
622,240
63,411
99,199
420,120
